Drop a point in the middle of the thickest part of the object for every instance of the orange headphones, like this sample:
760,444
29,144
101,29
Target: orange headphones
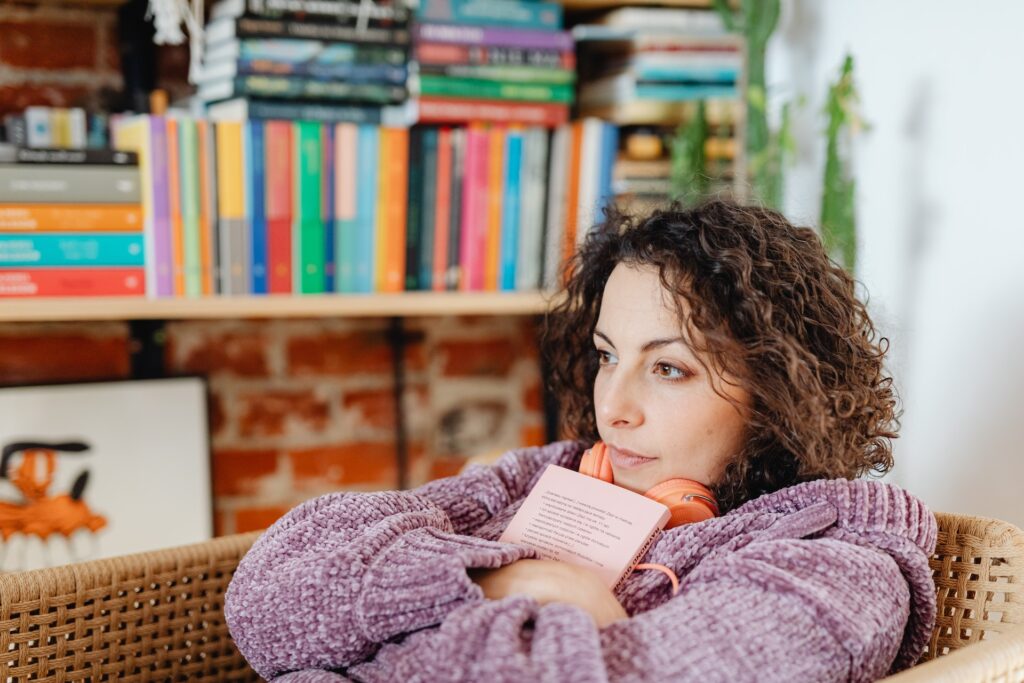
687,500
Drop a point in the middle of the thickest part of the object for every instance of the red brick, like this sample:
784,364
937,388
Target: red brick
532,398
376,407
532,435
490,357
48,45
267,413
220,523
47,358
257,519
14,98
218,420
360,463
234,353
238,472
340,354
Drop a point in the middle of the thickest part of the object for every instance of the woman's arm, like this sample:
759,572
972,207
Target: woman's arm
783,610
304,595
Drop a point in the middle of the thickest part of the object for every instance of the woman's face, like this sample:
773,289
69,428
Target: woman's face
651,396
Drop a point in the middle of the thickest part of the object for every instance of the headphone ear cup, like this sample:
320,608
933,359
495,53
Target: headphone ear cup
687,501
595,463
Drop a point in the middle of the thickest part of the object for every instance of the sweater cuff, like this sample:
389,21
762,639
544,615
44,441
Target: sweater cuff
421,577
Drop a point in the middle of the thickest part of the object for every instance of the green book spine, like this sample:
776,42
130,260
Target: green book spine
414,214
188,155
500,72
309,224
494,90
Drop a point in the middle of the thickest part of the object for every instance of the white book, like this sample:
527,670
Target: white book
561,141
39,127
531,230
590,177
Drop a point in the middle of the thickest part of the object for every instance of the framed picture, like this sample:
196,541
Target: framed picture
97,469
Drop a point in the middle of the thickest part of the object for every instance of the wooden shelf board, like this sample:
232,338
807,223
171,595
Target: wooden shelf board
406,304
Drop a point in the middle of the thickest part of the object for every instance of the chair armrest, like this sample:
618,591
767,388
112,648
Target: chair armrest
998,659
156,615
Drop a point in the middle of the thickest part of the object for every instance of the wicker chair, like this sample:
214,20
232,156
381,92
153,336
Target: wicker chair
157,616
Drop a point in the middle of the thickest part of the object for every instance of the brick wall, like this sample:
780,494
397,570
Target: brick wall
303,407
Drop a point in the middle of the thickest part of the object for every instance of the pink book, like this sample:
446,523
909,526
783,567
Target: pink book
473,233
588,522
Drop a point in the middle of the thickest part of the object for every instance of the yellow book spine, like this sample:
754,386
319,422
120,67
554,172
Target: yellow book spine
381,244
495,192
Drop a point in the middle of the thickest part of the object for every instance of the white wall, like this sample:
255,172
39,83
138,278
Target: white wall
941,240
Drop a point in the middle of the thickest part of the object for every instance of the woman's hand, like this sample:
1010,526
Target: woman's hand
552,581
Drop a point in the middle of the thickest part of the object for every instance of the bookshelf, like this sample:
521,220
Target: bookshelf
405,304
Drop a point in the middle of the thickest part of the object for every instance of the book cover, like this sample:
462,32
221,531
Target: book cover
447,110
495,36
69,249
71,217
75,281
27,183
279,184
366,208
495,190
442,209
255,205
188,168
39,127
587,522
309,225
511,206
428,190
346,180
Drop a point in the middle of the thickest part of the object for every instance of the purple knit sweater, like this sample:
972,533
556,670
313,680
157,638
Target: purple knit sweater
823,581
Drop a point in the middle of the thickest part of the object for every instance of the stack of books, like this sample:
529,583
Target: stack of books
504,61
71,223
305,59
56,128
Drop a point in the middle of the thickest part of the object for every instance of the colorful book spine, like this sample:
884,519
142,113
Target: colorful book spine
188,167
572,192
231,217
25,183
428,228
250,27
447,110
454,278
161,213
398,166
174,202
508,74
309,227
31,282
346,179
66,157
445,86
380,226
279,187
545,16
511,206
493,36
23,250
328,207
495,194
417,195
557,180
366,207
256,205
293,87
442,209
473,233
530,265
430,53
71,218
207,165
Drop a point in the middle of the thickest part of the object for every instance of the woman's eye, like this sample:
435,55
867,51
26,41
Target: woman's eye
604,357
666,371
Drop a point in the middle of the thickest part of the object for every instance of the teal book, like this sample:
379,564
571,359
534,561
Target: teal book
109,249
366,207
309,225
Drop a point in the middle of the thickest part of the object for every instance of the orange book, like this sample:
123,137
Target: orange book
71,217
587,522
398,209
495,194
380,228
206,210
442,210
572,193
174,195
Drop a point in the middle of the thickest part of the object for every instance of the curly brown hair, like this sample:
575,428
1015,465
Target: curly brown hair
769,308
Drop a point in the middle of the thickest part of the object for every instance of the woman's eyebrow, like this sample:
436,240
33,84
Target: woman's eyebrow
648,346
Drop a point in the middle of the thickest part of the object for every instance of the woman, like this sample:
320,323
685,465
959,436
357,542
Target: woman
717,344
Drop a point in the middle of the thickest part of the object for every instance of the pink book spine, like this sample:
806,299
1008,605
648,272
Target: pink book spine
473,235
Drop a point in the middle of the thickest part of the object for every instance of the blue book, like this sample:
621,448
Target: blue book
255,205
330,228
21,250
427,235
691,74
683,93
510,209
609,151
528,14
366,208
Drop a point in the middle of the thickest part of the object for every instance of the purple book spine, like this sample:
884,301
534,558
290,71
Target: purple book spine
161,207
492,36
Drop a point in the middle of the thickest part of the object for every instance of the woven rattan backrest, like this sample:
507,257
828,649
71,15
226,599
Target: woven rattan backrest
154,616
978,569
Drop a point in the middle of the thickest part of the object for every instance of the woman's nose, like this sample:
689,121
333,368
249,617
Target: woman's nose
621,402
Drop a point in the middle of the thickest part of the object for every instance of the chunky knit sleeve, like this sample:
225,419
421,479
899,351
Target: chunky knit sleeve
341,574
782,610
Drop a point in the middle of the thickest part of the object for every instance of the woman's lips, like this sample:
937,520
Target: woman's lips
627,459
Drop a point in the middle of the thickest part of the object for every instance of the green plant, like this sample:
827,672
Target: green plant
838,219
688,179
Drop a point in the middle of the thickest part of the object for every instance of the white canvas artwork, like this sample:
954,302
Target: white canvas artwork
99,469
